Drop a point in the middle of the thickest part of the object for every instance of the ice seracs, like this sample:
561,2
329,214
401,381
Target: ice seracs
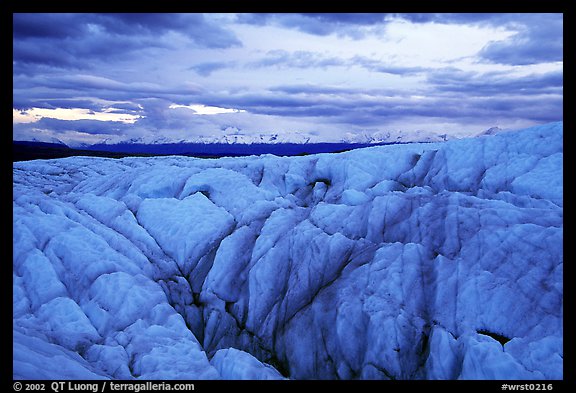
417,261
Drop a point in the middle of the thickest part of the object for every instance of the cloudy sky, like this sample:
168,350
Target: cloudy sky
88,77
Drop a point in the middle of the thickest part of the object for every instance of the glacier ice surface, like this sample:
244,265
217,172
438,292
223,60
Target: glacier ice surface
417,261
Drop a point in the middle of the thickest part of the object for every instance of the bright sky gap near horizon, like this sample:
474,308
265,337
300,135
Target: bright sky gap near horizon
82,78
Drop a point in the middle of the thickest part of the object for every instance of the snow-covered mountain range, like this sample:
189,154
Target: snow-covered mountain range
296,138
407,261
380,137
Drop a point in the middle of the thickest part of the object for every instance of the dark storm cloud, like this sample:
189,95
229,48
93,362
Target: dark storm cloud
285,101
40,97
48,26
95,127
43,88
89,51
539,40
195,26
318,24
472,110
79,26
76,40
63,103
450,94
495,83
91,105
96,83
